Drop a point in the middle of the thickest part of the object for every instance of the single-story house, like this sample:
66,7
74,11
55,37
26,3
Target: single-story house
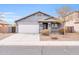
38,21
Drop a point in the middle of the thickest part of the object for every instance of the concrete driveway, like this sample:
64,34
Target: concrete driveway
19,39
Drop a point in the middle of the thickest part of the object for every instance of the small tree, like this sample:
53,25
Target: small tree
63,11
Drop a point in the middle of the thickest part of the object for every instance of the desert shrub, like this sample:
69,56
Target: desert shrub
54,38
45,32
61,31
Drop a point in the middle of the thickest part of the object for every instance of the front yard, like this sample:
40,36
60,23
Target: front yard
37,37
59,37
5,35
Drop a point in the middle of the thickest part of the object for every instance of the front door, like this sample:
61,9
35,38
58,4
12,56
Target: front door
45,25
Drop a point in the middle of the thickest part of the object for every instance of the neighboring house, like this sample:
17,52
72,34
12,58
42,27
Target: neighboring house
3,26
36,22
72,21
6,28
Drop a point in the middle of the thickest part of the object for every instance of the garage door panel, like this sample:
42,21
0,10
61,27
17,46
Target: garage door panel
28,28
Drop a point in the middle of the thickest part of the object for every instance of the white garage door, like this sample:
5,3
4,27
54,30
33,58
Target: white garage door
28,28
76,27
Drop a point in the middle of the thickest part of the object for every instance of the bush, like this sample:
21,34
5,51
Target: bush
61,31
55,38
45,32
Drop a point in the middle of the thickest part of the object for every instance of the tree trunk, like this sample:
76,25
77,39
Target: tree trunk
64,26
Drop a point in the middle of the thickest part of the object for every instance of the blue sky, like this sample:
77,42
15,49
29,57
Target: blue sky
15,11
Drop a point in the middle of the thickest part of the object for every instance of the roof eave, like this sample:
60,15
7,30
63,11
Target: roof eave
31,15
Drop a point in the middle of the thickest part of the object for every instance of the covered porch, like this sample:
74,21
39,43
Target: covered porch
52,25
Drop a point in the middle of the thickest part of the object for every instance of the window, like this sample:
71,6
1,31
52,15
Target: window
78,15
52,25
56,25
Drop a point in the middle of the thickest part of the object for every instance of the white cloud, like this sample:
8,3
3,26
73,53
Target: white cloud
6,13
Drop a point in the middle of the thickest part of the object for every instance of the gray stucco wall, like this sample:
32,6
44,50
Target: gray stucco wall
33,19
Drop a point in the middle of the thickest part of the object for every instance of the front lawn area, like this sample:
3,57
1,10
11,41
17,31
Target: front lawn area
59,37
5,35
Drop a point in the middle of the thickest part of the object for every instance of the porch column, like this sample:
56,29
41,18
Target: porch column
40,26
49,27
